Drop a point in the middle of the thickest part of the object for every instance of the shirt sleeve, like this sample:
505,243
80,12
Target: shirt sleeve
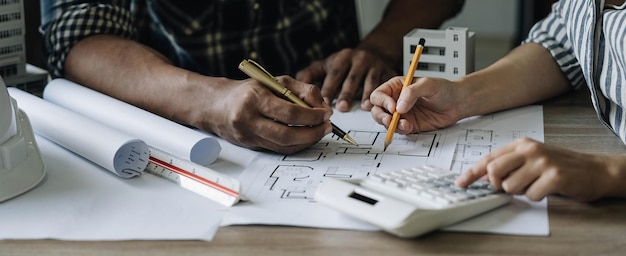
551,33
65,23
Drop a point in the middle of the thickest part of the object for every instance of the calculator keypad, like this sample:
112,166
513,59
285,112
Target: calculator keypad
427,184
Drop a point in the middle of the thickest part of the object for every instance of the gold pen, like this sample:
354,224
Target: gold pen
254,70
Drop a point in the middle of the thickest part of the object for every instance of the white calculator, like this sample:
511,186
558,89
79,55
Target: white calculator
410,202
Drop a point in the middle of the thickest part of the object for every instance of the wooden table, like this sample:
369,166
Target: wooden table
576,228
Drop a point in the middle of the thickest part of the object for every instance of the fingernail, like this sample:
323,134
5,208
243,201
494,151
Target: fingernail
401,126
460,180
401,105
327,115
342,104
389,108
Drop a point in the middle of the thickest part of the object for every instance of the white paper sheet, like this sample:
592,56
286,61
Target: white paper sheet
484,134
156,131
117,152
280,187
80,201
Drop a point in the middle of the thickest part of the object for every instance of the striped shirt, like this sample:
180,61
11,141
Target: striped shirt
210,37
588,41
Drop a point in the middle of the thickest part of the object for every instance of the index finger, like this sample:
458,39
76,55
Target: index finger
386,94
307,92
313,72
479,169
470,176
349,89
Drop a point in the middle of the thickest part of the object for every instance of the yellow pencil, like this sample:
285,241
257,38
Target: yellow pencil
407,80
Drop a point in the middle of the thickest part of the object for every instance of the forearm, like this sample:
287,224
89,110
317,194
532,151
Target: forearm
401,16
527,75
616,168
136,74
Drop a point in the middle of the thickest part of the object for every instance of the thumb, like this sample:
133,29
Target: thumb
409,96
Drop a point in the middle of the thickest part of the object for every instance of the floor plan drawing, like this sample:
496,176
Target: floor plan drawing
278,186
280,189
481,135
297,176
474,144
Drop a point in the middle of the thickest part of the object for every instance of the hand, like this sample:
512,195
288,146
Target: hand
537,170
252,116
348,70
426,105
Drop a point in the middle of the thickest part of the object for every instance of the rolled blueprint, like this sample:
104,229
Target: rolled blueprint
107,147
156,131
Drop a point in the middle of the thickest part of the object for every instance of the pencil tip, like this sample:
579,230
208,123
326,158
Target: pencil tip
386,145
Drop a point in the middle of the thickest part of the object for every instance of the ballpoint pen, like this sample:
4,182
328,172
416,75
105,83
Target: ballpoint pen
407,80
254,70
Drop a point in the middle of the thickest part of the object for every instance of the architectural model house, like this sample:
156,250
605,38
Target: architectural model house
12,45
447,53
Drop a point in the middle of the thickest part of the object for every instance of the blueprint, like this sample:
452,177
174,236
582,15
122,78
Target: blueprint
280,189
481,135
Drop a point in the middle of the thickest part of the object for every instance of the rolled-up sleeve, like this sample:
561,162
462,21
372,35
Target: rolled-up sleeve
551,33
65,23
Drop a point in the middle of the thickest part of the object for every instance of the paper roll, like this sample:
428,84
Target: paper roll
156,131
107,147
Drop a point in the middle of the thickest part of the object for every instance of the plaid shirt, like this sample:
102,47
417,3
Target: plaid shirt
588,41
210,37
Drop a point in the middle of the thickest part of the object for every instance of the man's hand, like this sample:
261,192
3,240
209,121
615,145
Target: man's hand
250,115
346,73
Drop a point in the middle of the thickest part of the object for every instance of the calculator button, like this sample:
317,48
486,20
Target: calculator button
430,185
412,201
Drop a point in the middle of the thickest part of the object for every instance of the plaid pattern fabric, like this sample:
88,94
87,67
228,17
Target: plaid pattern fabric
588,40
210,37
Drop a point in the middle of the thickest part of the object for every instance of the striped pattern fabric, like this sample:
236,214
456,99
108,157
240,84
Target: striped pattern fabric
210,37
588,40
